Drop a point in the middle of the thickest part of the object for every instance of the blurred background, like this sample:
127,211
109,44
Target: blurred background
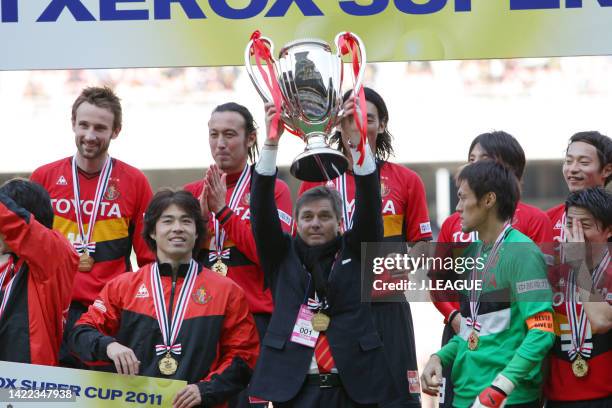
436,109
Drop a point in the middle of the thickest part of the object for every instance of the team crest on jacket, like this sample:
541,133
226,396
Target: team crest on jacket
200,296
384,189
112,190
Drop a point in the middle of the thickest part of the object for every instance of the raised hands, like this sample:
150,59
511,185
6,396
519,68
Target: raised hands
348,127
270,112
214,191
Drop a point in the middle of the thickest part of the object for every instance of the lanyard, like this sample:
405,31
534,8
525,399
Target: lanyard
86,245
472,320
170,329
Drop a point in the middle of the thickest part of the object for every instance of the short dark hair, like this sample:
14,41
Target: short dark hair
163,199
384,148
320,193
502,146
32,197
102,97
249,124
601,143
596,200
492,177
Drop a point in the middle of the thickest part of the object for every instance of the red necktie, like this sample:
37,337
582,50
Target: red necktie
323,355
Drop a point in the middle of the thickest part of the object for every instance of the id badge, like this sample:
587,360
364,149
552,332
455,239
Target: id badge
303,333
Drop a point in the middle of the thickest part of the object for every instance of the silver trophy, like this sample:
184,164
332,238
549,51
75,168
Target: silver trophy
310,80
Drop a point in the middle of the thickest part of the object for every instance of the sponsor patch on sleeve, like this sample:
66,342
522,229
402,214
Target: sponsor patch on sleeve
284,217
99,304
425,227
541,321
532,285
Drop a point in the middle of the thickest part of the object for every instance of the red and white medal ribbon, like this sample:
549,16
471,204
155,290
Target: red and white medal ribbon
9,269
213,256
562,237
86,245
578,324
316,303
348,208
170,330
236,197
472,320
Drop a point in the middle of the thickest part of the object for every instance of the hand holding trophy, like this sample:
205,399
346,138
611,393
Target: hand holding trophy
305,85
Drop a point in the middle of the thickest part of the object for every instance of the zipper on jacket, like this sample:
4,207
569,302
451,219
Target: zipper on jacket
174,278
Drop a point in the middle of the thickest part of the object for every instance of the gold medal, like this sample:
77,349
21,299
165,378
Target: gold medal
473,340
580,367
320,321
220,268
168,365
86,262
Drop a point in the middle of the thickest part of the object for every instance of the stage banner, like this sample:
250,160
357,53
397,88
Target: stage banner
51,34
29,385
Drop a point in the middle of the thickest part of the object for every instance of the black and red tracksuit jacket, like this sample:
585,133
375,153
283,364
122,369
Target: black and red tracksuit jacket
32,324
218,337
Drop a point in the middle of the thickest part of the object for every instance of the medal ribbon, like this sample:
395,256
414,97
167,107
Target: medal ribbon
236,197
10,268
86,246
316,304
213,256
578,324
169,330
472,320
562,237
347,209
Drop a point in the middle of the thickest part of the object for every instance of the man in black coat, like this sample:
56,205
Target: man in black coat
321,348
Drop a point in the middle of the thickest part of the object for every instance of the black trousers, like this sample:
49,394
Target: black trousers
66,359
598,403
532,404
393,321
242,400
313,396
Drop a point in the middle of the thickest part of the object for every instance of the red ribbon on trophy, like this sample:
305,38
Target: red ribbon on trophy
348,44
261,51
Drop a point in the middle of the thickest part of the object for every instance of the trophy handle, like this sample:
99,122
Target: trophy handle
263,91
362,55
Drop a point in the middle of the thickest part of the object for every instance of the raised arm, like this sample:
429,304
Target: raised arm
367,221
47,251
269,238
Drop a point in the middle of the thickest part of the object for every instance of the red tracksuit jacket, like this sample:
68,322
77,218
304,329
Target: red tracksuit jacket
32,323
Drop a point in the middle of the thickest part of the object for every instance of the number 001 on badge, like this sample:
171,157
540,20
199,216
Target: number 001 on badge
303,333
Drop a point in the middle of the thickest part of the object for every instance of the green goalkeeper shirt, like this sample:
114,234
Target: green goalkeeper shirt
515,294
